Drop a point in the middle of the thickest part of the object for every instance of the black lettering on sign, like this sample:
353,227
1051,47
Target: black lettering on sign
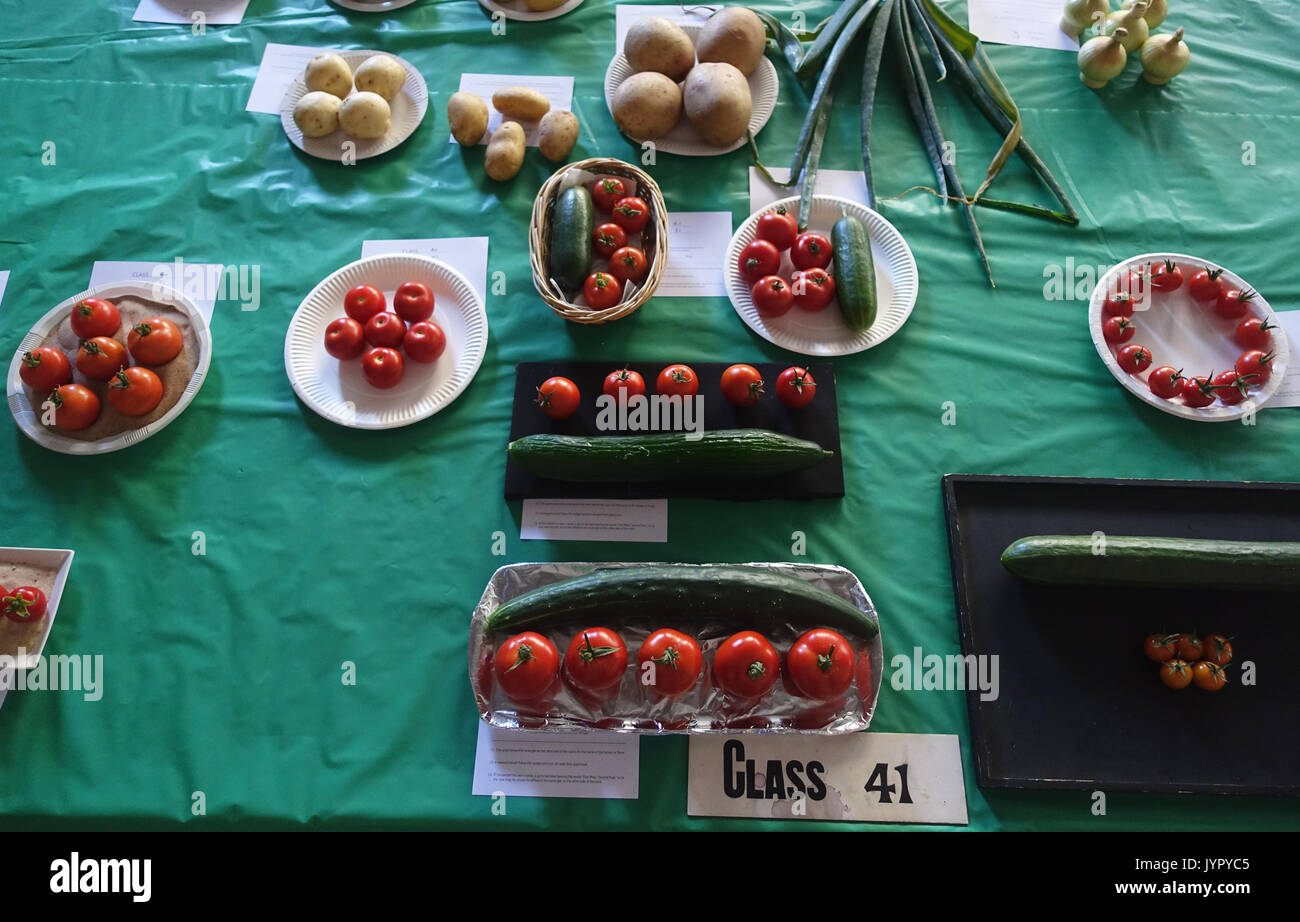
816,787
775,787
733,782
794,771
751,781
879,782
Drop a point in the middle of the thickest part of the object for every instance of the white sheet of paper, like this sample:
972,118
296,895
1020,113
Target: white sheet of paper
920,774
627,13
196,280
280,64
849,184
468,255
4,281
215,12
1288,394
595,520
1033,23
557,90
527,763
697,248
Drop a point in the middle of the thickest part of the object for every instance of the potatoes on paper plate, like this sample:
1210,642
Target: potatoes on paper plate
317,114
356,102
365,115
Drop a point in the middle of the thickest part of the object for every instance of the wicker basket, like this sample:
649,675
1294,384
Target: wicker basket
654,240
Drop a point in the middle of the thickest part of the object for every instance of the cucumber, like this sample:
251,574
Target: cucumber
569,250
1179,563
750,597
855,273
731,453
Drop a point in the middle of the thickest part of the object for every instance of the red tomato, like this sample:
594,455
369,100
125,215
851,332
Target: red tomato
624,380
95,317
677,379
811,251
1198,391
1166,381
1209,676
1255,333
363,302
135,391
778,227
1233,303
1118,304
607,190
383,367
1118,330
75,407
746,665
742,385
1130,283
1166,276
821,664
413,302
345,339
677,662
772,296
1161,647
24,604
44,369
813,289
526,666
1189,647
100,358
1215,648
631,214
558,397
385,329
1232,387
757,259
795,387
601,291
607,238
1256,362
1134,358
1176,674
1204,284
155,341
628,264
424,341
596,660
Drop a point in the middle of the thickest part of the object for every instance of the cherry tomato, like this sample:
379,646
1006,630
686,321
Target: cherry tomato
363,302
625,380
821,664
527,666
558,397
1134,358
677,379
424,341
811,251
345,339
628,264
1118,304
631,213
1256,362
1131,283
795,387
383,367
135,391
1232,387
746,665
772,296
1233,303
1255,333
596,660
601,290
95,317
1204,284
75,407
1161,647
1189,647
607,190
757,259
1198,391
778,227
1176,673
1166,276
413,302
24,604
44,369
1166,381
677,662
607,238
813,289
742,385
1209,676
385,329
155,341
1118,330
1217,649
100,358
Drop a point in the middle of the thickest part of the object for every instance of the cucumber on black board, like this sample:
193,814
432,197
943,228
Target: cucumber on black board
569,243
855,272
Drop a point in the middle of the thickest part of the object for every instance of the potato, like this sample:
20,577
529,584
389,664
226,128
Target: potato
381,74
558,134
717,103
317,114
647,105
735,36
329,73
520,102
655,44
468,115
541,6
505,152
365,115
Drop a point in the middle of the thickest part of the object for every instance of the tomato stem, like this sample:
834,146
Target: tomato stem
587,652
668,659
755,669
824,659
523,654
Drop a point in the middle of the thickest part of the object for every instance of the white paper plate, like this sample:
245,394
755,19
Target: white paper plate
377,7
824,332
408,107
28,417
518,9
1180,331
684,139
339,392
61,562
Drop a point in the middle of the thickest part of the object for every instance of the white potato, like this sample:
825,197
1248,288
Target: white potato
365,115
381,74
655,44
520,102
329,73
557,134
735,36
317,114
468,115
647,105
505,152
718,103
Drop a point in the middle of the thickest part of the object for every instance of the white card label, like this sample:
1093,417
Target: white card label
214,12
595,520
1032,23
697,250
531,763
202,283
4,282
467,255
280,64
1288,392
557,90
849,184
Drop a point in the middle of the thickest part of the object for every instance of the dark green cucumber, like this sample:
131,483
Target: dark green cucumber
1178,563
731,453
569,246
855,273
753,598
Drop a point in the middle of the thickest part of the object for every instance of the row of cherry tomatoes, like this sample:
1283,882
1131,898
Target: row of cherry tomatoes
377,336
24,605
1186,658
810,287
629,214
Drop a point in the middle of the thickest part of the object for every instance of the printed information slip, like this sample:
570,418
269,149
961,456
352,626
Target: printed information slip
697,249
1288,393
557,90
849,184
200,282
627,13
467,255
1032,23
595,520
525,763
280,64
4,281
215,12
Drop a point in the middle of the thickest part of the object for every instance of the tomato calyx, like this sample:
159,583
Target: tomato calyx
587,653
143,329
1213,274
84,309
523,654
1204,386
31,360
56,398
800,381
751,264
1240,383
91,347
679,376
669,658
119,379
824,660
755,670
18,608
628,211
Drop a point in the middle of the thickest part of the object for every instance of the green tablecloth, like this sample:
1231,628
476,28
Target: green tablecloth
325,545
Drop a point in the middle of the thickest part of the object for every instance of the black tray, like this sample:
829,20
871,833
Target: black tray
817,422
1079,705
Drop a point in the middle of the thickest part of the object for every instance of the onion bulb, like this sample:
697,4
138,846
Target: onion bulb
1081,15
1164,57
1101,59
1156,12
1132,22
